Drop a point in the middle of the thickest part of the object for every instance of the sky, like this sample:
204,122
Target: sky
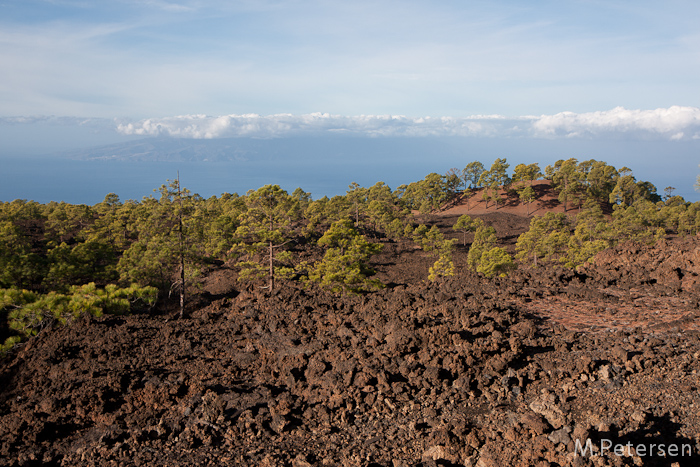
79,73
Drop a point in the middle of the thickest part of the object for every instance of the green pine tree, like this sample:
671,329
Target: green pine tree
345,264
168,248
465,224
484,240
265,230
495,261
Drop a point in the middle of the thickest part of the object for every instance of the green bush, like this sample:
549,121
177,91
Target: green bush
345,265
8,344
443,267
495,261
29,312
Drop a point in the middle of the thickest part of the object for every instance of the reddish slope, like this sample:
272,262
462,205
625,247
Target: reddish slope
546,201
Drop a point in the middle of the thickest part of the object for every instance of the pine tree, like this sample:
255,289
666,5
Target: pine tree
425,195
484,240
600,180
357,196
20,265
168,244
668,193
465,224
221,219
628,190
493,180
527,195
453,181
443,267
495,261
472,173
67,222
567,180
339,235
526,174
547,238
265,229
523,176
345,264
434,242
90,261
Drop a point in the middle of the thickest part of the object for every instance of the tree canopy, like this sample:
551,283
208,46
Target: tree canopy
167,241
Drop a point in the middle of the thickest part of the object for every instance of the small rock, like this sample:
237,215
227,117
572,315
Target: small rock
638,416
621,354
546,406
438,453
300,461
560,436
278,423
534,422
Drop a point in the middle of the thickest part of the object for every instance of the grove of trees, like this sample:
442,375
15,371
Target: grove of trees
60,260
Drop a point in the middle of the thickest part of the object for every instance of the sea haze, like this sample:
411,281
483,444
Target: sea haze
320,165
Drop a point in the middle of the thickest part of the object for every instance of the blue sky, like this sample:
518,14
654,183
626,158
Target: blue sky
142,59
125,69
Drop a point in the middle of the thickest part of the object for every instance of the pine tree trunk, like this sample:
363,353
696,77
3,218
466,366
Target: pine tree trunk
271,283
182,285
182,250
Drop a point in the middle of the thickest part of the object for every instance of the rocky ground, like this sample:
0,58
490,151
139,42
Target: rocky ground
471,372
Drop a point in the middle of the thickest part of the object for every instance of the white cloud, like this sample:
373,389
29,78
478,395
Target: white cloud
673,123
253,125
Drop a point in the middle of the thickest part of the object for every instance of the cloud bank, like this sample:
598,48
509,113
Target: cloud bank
253,125
673,123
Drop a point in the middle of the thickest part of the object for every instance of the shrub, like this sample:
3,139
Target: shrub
443,267
495,261
345,265
28,312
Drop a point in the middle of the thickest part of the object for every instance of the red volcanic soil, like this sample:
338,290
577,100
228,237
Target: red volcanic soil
545,201
472,371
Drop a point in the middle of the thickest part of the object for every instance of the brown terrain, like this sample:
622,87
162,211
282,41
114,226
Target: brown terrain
511,371
545,201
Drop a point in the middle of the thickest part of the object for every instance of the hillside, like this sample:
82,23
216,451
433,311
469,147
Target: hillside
379,328
545,201
469,372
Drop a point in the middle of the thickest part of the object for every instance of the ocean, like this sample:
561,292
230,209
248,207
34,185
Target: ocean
317,165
